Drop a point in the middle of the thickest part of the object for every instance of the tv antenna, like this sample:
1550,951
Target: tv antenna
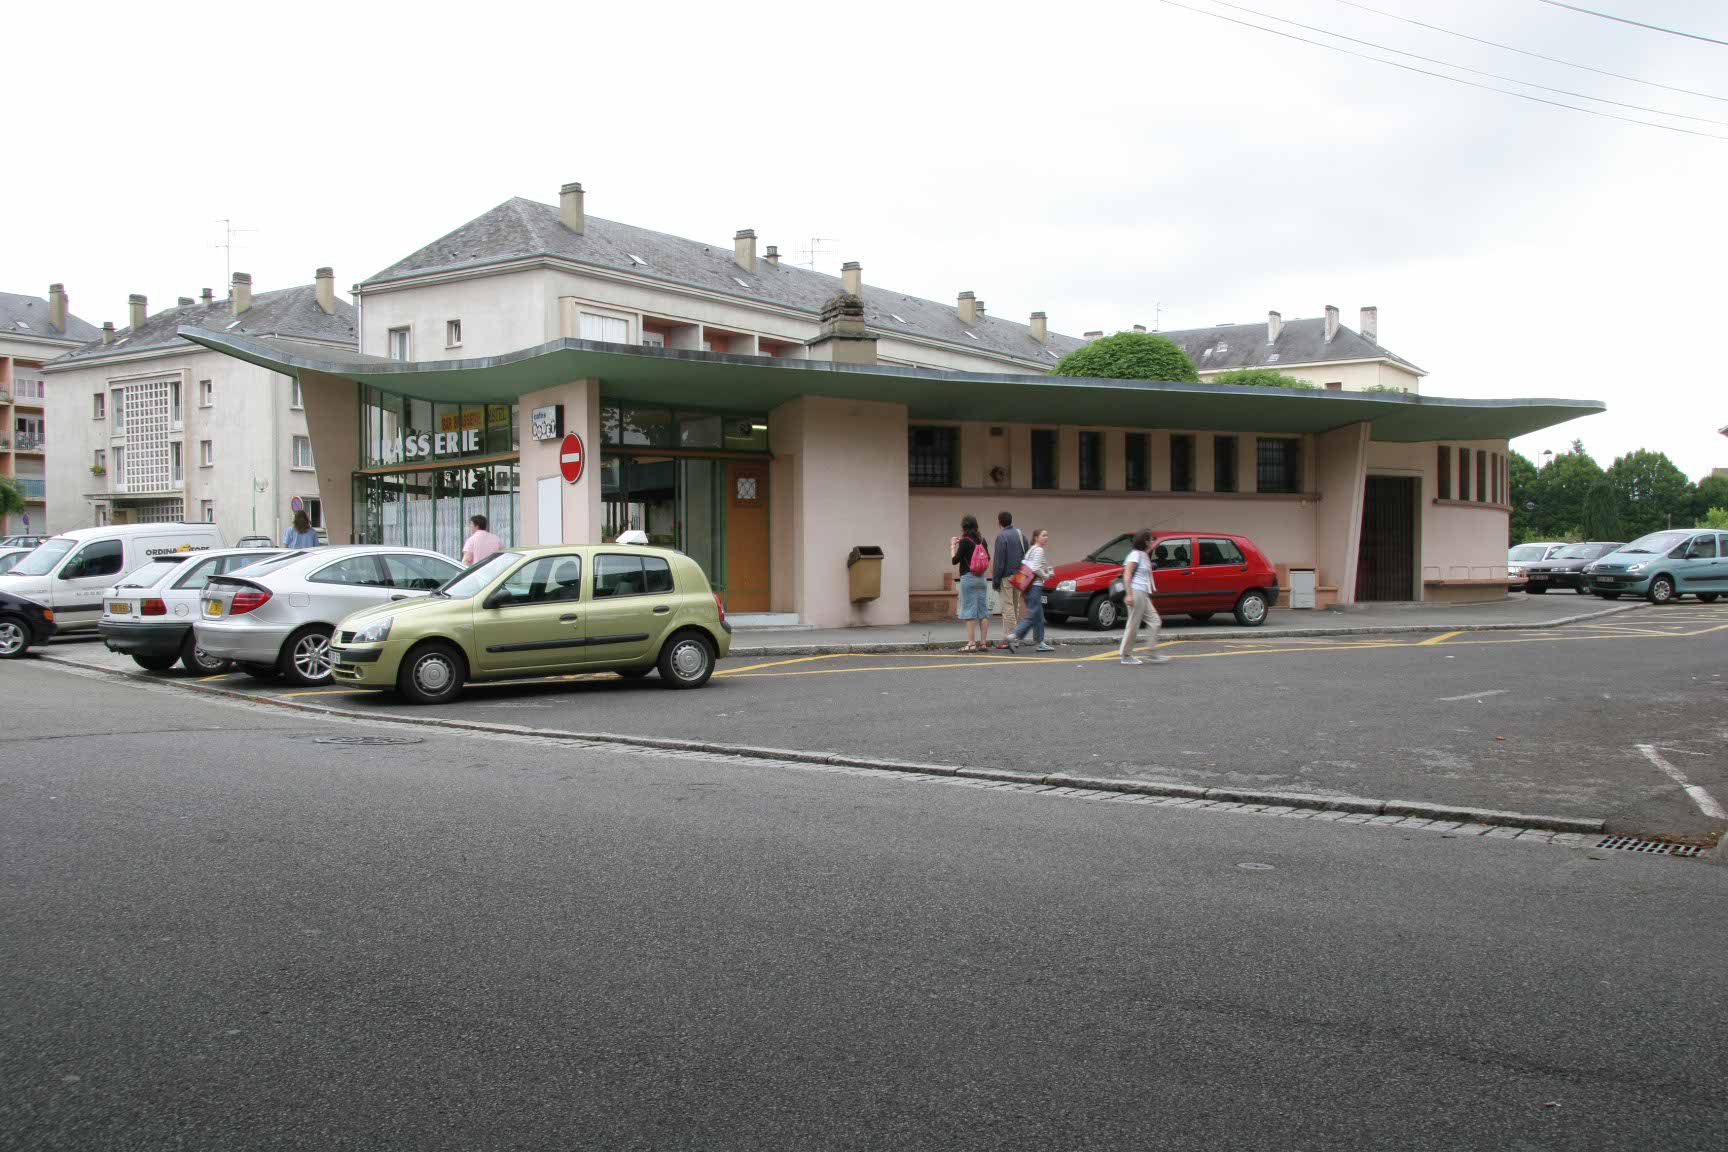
227,245
820,247
1157,315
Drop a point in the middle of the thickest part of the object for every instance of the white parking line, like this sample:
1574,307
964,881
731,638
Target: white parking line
1706,802
1474,695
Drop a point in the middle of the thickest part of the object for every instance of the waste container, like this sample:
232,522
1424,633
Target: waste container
1303,582
864,573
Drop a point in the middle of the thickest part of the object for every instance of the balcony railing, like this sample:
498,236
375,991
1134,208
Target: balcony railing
5,396
30,443
32,487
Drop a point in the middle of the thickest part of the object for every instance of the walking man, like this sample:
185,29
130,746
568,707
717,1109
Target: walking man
1010,550
1138,586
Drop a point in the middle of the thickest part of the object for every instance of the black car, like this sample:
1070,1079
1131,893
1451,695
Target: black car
23,622
1564,568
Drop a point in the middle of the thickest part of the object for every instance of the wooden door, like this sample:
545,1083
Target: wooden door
747,548
1386,556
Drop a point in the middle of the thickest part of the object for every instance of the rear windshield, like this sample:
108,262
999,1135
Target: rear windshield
268,566
47,555
150,574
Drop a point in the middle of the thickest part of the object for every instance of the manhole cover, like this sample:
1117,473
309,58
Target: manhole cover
1652,847
368,741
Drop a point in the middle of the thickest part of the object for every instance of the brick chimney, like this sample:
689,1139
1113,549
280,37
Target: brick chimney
773,256
1139,327
1331,323
241,292
1370,327
325,288
968,308
1040,328
57,307
1094,335
107,331
207,297
1274,325
184,302
138,310
744,249
852,277
570,208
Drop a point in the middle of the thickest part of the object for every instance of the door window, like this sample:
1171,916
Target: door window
421,573
1703,547
1216,551
103,558
1173,553
357,570
616,575
550,579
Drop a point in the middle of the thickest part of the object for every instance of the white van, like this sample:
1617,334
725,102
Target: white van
69,572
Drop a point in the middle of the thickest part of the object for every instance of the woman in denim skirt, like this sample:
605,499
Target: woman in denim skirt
974,589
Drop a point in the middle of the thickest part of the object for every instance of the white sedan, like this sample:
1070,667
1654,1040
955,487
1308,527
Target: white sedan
149,614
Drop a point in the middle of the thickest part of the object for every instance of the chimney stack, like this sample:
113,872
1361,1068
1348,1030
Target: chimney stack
852,277
107,331
1370,328
773,256
1040,328
1274,325
241,292
1095,334
570,208
744,249
968,308
325,287
207,296
57,307
1331,323
183,302
1139,327
138,309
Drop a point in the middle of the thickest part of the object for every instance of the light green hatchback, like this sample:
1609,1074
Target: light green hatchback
539,612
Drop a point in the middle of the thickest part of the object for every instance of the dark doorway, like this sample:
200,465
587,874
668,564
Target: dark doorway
1386,561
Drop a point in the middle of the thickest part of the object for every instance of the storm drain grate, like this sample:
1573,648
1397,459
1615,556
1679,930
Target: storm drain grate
367,741
1653,847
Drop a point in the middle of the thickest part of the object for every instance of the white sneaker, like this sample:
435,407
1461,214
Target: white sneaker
1133,660
1160,659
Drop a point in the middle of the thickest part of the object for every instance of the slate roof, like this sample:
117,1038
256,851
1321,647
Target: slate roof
1300,341
28,316
520,228
284,312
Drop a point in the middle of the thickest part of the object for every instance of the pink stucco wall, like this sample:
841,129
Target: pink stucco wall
1459,541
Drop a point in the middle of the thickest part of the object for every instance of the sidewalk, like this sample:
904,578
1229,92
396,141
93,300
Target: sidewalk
1515,611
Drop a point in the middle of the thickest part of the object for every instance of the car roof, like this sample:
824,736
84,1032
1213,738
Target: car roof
159,529
647,549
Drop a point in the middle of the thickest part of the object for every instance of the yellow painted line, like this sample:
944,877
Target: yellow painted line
1442,638
1702,631
218,676
316,692
778,663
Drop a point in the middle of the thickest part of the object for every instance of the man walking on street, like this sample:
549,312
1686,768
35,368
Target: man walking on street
1137,587
1010,550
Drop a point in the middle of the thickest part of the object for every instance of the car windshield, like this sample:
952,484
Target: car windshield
1115,552
147,576
1657,542
42,561
466,584
1528,552
1583,551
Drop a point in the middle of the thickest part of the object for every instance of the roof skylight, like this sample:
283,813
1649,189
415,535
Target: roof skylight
24,325
898,319
232,326
742,283
1051,352
973,335
637,260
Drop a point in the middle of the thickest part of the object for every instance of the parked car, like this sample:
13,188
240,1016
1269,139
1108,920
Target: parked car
1198,574
10,556
25,542
23,622
1564,569
149,614
276,618
1520,556
254,542
1664,565
70,572
541,611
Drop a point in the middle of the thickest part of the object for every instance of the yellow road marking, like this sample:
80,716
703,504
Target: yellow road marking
1701,631
218,676
1442,638
777,664
315,692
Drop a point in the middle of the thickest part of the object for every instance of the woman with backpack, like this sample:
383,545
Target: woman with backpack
969,554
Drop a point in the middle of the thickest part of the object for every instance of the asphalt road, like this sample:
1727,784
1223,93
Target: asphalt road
1555,721
218,933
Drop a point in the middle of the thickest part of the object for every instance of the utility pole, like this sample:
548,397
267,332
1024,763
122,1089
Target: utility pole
227,246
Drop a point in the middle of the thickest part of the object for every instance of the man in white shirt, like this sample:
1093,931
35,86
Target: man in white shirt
1138,586
481,544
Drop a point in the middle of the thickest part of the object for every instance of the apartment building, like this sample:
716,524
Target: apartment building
33,330
150,427
1317,349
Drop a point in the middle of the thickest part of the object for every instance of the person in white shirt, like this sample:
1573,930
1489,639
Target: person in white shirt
481,544
1138,586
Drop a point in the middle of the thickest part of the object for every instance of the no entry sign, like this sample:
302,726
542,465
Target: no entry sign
570,458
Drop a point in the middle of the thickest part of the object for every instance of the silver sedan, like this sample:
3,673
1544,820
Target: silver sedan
277,617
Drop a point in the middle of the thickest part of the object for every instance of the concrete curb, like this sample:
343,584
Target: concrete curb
1108,639
1360,804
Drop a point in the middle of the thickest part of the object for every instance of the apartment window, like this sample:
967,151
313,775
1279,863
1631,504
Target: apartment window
452,333
1223,463
1181,463
206,453
303,452
399,348
206,394
315,511
1481,477
99,463
1092,461
933,457
1277,463
1463,473
612,329
1443,472
1137,462
119,467
296,399
1043,457
177,463
207,511
98,406
174,403
119,409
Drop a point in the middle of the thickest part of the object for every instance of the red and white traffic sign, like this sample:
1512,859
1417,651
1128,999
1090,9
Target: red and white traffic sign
570,458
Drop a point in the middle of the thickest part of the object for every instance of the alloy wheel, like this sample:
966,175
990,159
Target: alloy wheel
12,638
1254,608
312,658
1661,590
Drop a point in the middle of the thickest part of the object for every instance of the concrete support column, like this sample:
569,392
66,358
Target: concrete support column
331,403
1158,450
580,515
1341,476
1115,460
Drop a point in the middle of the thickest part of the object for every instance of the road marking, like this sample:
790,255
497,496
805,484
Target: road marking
1706,802
1442,638
218,676
776,664
1474,695
315,692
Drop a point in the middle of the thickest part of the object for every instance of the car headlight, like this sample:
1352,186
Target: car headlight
1065,586
1587,569
1639,567
1515,570
376,632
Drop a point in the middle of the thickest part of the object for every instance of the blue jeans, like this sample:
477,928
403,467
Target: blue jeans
1034,621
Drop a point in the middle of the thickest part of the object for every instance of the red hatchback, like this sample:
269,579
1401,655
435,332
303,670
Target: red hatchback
1196,573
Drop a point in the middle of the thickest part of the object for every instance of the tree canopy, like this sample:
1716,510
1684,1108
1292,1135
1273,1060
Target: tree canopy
1130,356
11,498
1652,493
1259,378
1572,498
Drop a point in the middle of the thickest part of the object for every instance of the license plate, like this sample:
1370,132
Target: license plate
120,607
212,607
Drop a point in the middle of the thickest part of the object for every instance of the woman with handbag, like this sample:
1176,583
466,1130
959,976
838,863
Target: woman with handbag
968,553
1034,570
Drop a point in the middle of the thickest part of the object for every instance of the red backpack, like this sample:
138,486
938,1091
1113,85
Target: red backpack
980,562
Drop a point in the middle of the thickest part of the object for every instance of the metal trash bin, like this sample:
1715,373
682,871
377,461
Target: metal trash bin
1303,584
864,573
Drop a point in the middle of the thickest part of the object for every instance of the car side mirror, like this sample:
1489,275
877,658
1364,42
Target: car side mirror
400,596
497,600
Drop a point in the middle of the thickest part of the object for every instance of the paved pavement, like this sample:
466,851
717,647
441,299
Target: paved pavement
1581,721
218,933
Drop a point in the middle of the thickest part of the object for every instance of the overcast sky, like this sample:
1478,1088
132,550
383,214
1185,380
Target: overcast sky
1098,162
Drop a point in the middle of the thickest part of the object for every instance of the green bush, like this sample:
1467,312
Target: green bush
1716,518
1382,388
1130,356
11,498
1260,378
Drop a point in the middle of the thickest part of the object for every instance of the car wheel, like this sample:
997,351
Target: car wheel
432,674
154,661
633,673
1201,617
14,637
686,661
1661,589
1582,589
1707,597
1251,609
260,671
306,657
1103,613
199,662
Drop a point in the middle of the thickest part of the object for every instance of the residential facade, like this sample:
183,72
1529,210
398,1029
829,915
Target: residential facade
1317,349
33,330
149,427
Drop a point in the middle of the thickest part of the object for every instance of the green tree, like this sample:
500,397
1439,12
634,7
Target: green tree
1715,518
1559,494
1260,378
11,498
1523,495
1712,492
1601,511
1651,491
1130,356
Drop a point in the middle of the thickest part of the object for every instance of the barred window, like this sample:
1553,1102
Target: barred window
1043,458
933,457
1277,464
1223,463
1092,461
1137,462
1181,463
1443,472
